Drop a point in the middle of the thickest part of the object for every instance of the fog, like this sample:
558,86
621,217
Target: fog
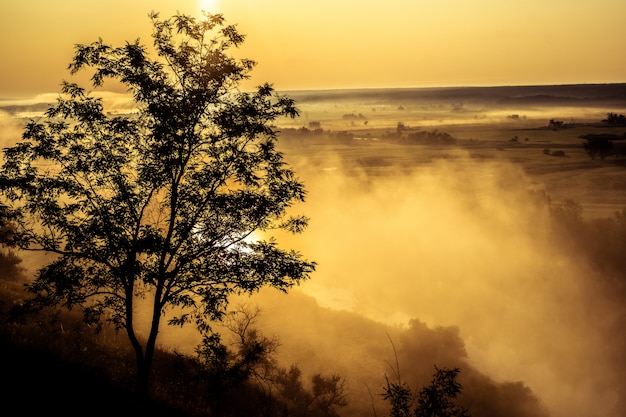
463,248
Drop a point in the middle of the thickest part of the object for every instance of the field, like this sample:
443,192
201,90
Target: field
362,129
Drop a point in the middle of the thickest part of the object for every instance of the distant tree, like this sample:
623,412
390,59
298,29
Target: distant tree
327,395
160,204
555,124
615,119
600,145
422,137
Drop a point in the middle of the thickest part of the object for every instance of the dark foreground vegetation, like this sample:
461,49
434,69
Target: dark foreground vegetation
56,364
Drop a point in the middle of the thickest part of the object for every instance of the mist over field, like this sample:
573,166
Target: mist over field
457,255
463,249
448,251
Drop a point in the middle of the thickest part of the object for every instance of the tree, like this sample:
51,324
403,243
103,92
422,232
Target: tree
599,145
615,119
437,399
327,394
247,362
400,397
241,376
160,204
434,400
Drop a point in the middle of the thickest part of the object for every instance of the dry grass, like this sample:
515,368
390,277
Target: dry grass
55,364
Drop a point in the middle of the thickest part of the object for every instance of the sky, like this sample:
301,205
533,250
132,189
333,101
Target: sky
328,44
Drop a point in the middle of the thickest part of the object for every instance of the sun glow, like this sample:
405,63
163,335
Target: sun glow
209,6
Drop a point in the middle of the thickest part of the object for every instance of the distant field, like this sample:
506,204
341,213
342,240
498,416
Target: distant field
360,129
512,124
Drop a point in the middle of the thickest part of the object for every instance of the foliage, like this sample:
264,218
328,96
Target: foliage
326,395
420,137
69,367
598,145
244,378
556,124
434,400
162,204
10,268
615,119
249,360
400,397
437,399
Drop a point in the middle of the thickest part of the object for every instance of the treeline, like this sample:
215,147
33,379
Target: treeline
615,119
304,135
402,135
405,136
603,145
244,378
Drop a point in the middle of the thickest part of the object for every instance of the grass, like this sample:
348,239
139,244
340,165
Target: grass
55,365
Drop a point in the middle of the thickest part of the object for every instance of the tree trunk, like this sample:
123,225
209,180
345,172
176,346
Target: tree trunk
144,363
141,384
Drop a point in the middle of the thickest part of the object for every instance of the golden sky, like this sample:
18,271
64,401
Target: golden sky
312,44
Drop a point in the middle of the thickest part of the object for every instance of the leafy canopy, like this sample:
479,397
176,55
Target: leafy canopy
435,400
162,201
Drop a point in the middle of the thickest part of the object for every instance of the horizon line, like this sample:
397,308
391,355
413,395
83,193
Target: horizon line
450,86
8,101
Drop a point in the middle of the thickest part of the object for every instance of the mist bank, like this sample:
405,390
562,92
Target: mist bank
456,244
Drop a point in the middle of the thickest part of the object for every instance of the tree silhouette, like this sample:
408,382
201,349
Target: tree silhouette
438,398
160,204
615,119
435,400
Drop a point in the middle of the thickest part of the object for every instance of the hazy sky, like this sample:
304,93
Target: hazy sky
309,44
